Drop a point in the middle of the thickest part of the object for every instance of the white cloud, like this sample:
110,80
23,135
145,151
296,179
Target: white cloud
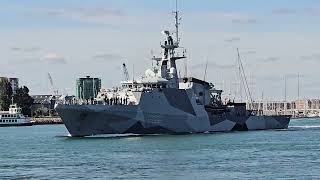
284,11
311,57
25,49
107,57
88,14
214,65
103,15
233,17
271,59
53,58
314,11
232,39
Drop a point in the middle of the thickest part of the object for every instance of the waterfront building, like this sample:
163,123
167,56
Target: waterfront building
14,84
43,105
13,81
88,87
297,108
4,80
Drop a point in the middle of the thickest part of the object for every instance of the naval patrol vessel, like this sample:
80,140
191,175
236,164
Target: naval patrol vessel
162,103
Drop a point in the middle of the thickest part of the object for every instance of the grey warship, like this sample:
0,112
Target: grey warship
162,103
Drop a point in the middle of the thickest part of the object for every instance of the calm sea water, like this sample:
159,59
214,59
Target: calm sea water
44,152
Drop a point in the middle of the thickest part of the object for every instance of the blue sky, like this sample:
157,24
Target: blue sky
70,39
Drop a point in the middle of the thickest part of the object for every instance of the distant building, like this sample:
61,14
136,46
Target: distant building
14,84
3,79
43,105
88,87
13,81
298,108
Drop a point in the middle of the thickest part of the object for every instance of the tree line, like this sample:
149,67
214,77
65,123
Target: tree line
21,97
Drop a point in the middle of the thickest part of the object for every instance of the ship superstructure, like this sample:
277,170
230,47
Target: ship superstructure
161,102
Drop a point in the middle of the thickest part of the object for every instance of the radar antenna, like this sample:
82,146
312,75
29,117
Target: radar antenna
177,18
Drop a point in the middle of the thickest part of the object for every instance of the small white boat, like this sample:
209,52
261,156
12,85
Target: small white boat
312,115
13,117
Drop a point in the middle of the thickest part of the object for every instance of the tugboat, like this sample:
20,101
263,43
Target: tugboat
162,103
13,117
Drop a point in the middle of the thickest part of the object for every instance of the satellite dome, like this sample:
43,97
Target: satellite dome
150,73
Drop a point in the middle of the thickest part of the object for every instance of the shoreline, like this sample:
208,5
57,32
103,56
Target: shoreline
46,121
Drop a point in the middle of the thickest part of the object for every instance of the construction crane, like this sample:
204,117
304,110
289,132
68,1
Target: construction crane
125,72
52,88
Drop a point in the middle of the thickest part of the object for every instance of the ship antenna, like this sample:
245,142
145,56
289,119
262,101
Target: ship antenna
205,71
176,13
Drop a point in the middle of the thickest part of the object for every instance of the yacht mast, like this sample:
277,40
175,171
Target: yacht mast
298,86
285,88
243,79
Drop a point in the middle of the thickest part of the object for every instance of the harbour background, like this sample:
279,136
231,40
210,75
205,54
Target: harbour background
45,152
307,108
89,89
46,120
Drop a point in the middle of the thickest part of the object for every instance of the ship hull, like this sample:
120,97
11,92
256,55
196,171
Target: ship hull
166,111
87,120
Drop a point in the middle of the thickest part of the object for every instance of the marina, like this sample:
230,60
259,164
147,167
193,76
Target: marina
309,108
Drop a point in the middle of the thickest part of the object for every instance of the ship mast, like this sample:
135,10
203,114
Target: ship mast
177,18
168,68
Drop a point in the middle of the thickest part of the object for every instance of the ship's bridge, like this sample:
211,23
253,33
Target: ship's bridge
14,109
154,82
145,82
